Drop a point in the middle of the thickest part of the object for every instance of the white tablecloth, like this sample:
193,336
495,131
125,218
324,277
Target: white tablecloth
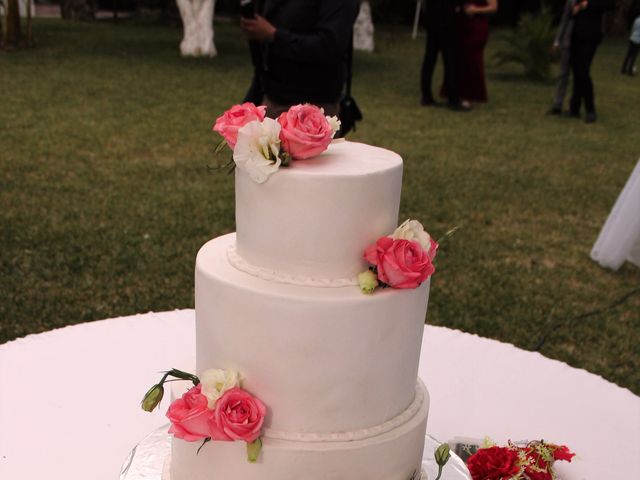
69,399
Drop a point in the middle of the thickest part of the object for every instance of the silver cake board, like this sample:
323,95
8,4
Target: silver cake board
147,459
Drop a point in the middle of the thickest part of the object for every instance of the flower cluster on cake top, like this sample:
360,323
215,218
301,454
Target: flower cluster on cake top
215,408
261,145
403,259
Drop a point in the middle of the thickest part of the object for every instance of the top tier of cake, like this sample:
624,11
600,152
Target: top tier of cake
310,222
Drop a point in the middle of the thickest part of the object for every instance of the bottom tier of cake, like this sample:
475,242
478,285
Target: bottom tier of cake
395,454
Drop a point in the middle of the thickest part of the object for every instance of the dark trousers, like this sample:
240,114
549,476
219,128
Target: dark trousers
583,49
630,59
439,40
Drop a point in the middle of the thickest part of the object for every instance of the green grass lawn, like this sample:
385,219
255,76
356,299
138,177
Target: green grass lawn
106,196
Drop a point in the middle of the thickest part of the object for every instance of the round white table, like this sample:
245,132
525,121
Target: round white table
69,398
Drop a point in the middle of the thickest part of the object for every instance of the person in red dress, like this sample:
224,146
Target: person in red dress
472,32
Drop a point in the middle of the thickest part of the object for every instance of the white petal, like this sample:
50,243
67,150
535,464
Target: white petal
256,141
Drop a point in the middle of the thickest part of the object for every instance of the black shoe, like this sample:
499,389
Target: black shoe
428,102
555,111
591,117
458,107
572,114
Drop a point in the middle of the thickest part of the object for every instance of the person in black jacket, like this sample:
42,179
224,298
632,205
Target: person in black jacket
585,38
302,47
440,16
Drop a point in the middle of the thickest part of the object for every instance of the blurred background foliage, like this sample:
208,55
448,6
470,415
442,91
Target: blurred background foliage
528,45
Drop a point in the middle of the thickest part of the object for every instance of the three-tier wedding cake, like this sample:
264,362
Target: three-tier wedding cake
280,312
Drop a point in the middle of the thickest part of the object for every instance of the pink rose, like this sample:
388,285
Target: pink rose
189,416
306,132
235,118
401,263
237,416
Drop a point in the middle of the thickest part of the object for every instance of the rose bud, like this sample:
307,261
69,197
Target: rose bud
368,281
152,398
253,450
442,454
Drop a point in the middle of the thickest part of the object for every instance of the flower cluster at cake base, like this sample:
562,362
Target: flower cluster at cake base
532,461
402,260
262,145
216,408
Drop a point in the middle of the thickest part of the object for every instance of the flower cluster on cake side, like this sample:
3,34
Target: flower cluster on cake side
216,408
261,145
532,461
403,259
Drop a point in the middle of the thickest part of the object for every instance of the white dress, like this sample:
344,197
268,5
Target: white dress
619,239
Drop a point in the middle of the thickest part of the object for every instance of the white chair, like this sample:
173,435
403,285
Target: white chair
619,239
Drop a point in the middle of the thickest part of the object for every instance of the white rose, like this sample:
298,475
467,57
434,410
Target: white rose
217,381
334,123
257,149
413,231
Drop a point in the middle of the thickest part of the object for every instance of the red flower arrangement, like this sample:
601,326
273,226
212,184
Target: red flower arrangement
534,461
494,463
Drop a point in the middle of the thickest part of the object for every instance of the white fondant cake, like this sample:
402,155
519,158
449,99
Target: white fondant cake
278,301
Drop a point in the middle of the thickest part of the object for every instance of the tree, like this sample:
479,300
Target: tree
619,20
11,33
363,29
78,9
2,9
197,23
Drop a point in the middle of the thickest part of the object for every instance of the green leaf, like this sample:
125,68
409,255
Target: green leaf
221,145
285,158
253,450
232,167
448,234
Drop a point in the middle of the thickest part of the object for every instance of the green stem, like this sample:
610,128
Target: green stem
439,472
181,375
448,234
208,439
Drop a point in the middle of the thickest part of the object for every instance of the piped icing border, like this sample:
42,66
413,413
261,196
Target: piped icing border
360,434
166,470
280,277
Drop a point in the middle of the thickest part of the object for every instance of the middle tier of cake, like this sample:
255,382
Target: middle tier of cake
324,360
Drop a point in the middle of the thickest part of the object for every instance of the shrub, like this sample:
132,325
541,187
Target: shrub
529,44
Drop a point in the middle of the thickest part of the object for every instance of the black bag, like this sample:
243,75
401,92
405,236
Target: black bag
349,114
349,111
